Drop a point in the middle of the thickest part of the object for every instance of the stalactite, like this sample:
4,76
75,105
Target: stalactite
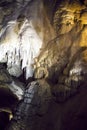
20,47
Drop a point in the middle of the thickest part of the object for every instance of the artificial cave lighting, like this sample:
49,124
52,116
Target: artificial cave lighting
19,47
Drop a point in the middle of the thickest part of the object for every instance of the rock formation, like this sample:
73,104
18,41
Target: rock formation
43,64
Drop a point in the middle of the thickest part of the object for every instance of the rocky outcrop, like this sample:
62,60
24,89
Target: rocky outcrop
70,25
35,103
22,37
11,91
59,69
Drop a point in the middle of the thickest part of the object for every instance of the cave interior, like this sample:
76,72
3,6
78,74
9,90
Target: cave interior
43,65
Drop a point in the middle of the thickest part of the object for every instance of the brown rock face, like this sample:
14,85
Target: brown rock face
69,22
63,64
60,67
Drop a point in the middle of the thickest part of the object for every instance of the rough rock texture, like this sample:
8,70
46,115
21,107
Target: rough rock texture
22,37
69,47
11,91
34,103
60,68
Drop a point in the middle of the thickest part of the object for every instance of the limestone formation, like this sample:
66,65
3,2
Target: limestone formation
37,97
43,64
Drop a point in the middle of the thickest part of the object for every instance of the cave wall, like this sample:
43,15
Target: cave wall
62,61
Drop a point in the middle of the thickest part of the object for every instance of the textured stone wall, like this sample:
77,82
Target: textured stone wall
60,68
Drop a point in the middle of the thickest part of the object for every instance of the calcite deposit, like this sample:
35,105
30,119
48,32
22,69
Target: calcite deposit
43,44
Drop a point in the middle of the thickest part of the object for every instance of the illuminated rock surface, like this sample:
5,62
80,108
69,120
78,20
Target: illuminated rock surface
45,44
